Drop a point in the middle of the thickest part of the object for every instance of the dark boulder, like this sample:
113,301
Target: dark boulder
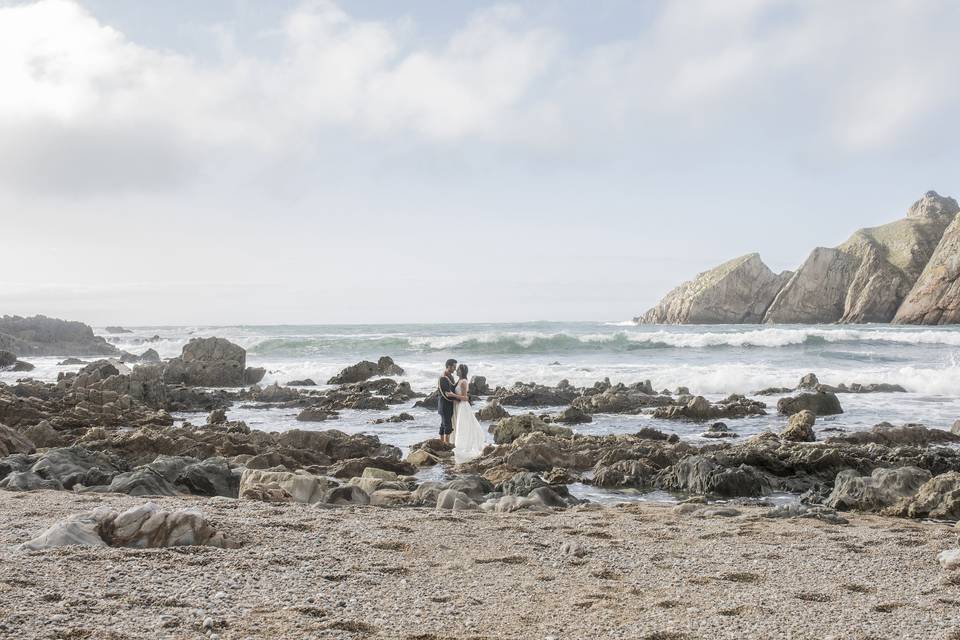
821,403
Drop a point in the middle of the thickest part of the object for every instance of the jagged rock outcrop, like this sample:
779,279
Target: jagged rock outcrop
935,297
365,370
906,271
43,336
739,290
867,277
209,362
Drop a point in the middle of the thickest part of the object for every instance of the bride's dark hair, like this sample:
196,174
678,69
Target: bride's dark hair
462,371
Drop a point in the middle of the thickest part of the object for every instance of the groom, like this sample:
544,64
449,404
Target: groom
445,399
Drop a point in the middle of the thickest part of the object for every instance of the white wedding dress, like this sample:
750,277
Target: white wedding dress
468,437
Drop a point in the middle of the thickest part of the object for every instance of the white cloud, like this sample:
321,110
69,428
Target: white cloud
85,108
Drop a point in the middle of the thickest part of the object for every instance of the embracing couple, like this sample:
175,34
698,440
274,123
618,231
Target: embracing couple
458,425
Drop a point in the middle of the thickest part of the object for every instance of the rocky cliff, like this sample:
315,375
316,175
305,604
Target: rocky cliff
739,290
935,298
905,271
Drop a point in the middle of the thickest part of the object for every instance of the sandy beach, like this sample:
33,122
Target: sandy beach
634,571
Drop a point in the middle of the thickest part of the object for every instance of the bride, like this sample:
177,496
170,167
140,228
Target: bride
468,438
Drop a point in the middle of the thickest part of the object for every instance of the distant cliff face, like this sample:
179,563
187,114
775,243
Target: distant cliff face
737,291
868,278
935,298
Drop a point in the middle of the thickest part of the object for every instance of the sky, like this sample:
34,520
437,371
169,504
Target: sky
241,161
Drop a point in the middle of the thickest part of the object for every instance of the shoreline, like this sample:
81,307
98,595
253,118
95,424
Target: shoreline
638,571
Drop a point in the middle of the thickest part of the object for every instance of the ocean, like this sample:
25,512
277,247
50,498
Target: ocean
712,361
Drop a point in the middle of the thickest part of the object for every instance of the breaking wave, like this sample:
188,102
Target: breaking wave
620,341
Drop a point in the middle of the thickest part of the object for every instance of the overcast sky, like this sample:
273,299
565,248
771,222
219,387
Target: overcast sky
241,161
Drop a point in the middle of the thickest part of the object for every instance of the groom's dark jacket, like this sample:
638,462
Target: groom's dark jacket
444,404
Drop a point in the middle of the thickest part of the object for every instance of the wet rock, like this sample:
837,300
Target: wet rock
210,477
142,481
44,436
150,355
719,430
28,481
890,435
535,395
509,429
699,408
22,366
274,393
606,398
573,415
272,486
306,382
217,416
938,497
354,468
492,411
402,417
253,375
800,427
478,386
702,475
316,414
7,360
510,504
453,500
809,382
70,362
365,370
391,498
560,476
472,485
12,442
815,512
346,494
623,474
208,362
77,465
147,526
881,489
821,403
521,484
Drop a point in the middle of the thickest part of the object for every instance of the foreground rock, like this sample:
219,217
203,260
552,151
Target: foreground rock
881,489
736,291
147,526
43,336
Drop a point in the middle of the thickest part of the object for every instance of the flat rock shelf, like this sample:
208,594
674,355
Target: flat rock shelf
630,571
